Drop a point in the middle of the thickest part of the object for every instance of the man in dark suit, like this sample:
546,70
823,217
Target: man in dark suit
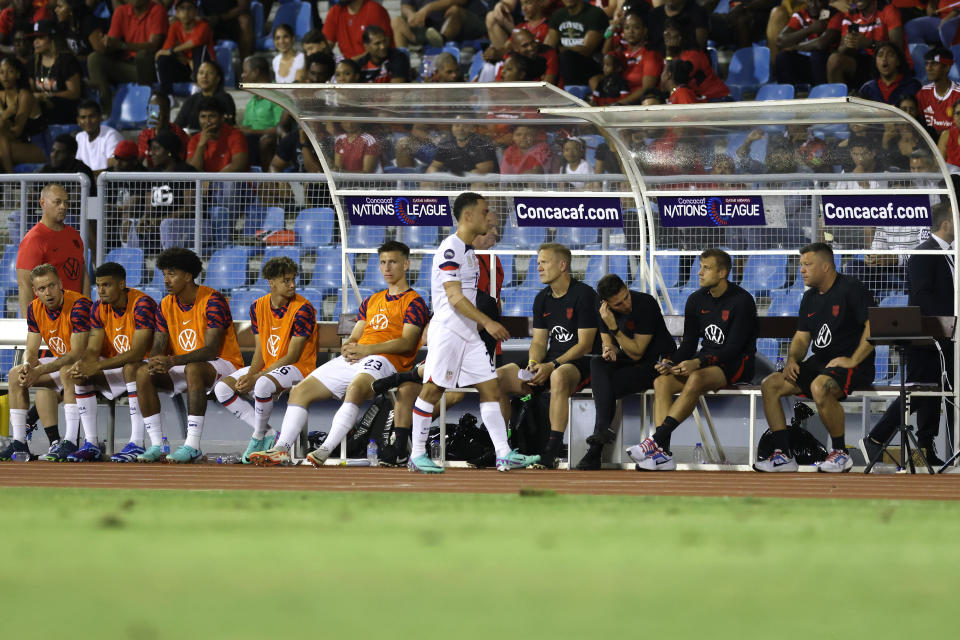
932,283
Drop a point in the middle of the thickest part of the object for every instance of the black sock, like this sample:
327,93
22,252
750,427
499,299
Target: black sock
33,416
53,433
662,435
838,443
401,440
554,443
782,441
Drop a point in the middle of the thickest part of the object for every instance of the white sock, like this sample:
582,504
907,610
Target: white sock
87,406
343,421
154,426
194,431
72,415
422,417
136,420
240,409
293,421
493,421
18,424
263,392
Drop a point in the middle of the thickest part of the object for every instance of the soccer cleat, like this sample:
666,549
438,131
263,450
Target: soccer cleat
870,448
318,456
777,462
257,444
89,452
391,456
14,447
153,454
424,464
545,461
59,451
660,461
640,452
591,460
184,455
516,460
837,462
129,453
275,457
384,384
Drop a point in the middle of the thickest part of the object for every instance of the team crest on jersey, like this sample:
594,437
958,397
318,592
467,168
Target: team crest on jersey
187,339
629,325
448,254
725,315
121,342
273,345
569,313
379,321
836,310
950,111
57,345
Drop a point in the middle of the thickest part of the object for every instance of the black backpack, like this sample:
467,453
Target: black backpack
806,448
529,427
376,423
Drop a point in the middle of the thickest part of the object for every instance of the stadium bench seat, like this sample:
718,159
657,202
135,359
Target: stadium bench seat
130,107
276,252
749,70
525,238
581,91
619,265
8,270
784,302
577,237
263,219
775,92
295,14
131,260
366,236
242,298
227,269
764,272
315,227
417,237
829,90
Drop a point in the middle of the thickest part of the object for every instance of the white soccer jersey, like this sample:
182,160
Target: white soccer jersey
454,261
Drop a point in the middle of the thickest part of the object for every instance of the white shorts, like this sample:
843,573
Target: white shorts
337,374
222,367
286,376
115,385
54,375
454,362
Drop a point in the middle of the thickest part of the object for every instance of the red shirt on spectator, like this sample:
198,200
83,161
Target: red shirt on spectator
683,95
953,148
876,27
346,29
352,152
219,153
704,81
517,160
63,249
551,65
937,111
637,61
40,12
143,141
539,29
200,35
127,26
802,19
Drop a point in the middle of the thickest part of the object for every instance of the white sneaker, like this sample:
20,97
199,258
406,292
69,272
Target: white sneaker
836,462
659,461
778,462
640,452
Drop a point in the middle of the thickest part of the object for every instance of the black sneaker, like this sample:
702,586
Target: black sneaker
604,437
383,385
930,453
547,461
390,456
870,449
591,461
12,448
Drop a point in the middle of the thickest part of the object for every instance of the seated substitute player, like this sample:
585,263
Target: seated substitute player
834,309
60,318
286,350
384,341
195,345
564,334
722,318
635,338
122,323
456,355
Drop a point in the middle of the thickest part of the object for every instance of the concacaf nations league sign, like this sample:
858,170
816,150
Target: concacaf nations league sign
711,211
395,211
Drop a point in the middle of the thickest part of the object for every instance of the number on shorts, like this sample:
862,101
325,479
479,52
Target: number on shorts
282,370
376,365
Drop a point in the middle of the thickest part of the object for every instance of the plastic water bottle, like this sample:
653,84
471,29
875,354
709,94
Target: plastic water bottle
699,455
228,459
780,364
165,446
372,452
20,456
435,454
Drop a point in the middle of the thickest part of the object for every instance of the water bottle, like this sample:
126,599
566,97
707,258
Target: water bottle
699,455
435,454
20,456
225,459
165,446
372,452
780,364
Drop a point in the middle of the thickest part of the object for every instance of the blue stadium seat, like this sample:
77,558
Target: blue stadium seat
749,70
241,299
225,59
7,358
314,228
315,296
327,275
917,51
763,273
525,238
581,91
8,270
669,268
954,71
276,252
352,305
784,302
896,299
417,237
829,90
577,237
476,66
619,265
518,301
775,92
366,236
422,280
693,278
227,269
177,232
131,260
723,7
678,298
881,364
295,14
130,107
256,11
922,29
532,279
27,167
154,292
769,347
263,219
506,261
371,274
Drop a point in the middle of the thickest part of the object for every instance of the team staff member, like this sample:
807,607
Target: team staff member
564,334
195,346
62,320
833,314
384,341
122,323
285,324
932,283
635,338
722,317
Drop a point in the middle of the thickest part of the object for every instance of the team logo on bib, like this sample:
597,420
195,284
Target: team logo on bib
824,337
560,334
379,322
121,343
57,345
273,345
714,334
187,339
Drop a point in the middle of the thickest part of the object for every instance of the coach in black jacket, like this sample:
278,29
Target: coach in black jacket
932,288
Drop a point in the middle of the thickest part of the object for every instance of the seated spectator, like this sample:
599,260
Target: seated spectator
948,143
515,68
901,139
347,72
63,159
690,17
675,82
525,155
57,76
314,42
210,83
611,87
189,42
463,21
20,117
418,149
892,81
218,147
288,63
125,157
576,32
95,141
260,117
704,81
231,20
346,21
136,32
544,62
575,163
463,151
319,68
382,63
158,117
20,15
500,23
641,66
420,22
445,69
938,99
355,151
80,29
744,24
863,27
806,43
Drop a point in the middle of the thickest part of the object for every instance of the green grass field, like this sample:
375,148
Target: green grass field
169,564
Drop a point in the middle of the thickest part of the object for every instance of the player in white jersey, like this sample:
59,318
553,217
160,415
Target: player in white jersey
456,356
